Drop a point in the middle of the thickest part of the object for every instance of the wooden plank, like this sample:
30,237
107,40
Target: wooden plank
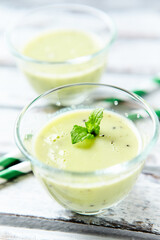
16,92
134,57
7,233
104,4
23,203
131,22
137,24
140,211
9,15
7,122
6,59
16,233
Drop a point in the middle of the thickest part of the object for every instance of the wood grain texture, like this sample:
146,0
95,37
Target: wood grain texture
83,232
132,62
7,122
7,233
115,5
15,91
135,57
140,211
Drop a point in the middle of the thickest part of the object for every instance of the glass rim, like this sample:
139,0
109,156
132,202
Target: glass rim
78,60
113,170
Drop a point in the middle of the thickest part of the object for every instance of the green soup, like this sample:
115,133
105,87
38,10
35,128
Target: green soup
51,53
118,142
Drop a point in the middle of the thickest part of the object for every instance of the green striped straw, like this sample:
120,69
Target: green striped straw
140,92
9,159
136,116
156,79
15,171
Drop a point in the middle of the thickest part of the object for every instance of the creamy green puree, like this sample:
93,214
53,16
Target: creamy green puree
117,142
60,46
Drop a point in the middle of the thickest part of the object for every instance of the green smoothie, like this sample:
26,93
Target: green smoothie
118,142
53,49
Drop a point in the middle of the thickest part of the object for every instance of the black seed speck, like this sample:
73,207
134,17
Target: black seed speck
128,145
91,205
102,135
112,142
113,127
84,120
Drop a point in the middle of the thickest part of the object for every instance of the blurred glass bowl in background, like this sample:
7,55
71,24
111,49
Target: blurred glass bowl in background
47,74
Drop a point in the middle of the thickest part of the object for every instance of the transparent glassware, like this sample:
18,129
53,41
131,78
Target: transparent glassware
43,75
87,192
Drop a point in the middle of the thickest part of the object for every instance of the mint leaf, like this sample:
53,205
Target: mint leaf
79,134
93,123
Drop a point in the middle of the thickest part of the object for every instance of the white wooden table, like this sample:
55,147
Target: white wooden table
26,211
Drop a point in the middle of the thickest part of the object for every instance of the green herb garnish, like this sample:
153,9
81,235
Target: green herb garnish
79,134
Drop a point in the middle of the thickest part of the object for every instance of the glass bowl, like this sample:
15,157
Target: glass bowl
94,191
45,75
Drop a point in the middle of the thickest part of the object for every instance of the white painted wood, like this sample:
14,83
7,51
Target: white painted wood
8,233
104,4
133,59
130,21
134,24
15,90
139,211
7,122
16,233
135,56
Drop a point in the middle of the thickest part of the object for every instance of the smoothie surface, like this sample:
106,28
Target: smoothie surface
62,45
117,142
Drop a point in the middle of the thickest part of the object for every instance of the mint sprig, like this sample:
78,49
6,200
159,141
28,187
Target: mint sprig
79,133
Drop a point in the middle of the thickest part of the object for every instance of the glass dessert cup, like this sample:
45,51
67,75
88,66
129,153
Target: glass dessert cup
94,191
45,75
